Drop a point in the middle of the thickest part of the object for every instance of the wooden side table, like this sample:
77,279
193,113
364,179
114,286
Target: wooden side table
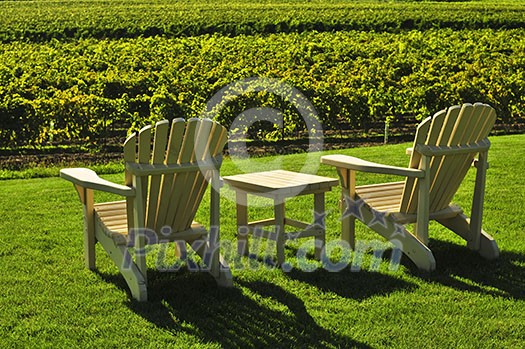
280,185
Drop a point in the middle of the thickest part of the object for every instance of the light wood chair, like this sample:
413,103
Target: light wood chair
165,184
445,147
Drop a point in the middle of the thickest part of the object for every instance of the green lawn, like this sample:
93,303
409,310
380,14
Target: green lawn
49,299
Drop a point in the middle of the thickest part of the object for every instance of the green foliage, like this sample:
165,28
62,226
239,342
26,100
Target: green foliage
63,77
78,90
71,19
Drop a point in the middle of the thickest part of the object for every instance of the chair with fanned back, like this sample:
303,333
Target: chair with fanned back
445,147
165,181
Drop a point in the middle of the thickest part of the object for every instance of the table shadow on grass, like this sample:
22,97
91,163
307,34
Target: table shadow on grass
252,314
355,283
465,270
351,284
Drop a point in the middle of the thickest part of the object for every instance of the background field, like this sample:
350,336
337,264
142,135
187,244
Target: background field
80,71
44,20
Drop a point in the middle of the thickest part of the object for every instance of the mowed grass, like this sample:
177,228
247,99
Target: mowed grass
49,299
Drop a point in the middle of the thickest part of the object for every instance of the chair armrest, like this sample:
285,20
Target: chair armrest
352,163
89,179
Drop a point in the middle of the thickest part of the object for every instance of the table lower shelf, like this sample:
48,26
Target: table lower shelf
256,229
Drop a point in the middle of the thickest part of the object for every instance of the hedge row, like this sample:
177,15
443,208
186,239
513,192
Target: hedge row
41,21
79,90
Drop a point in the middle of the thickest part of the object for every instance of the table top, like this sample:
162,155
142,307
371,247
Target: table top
280,182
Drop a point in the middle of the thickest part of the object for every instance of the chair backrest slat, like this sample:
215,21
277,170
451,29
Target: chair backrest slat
216,137
422,134
456,126
175,142
143,157
197,181
144,149
448,166
181,182
130,155
158,156
172,156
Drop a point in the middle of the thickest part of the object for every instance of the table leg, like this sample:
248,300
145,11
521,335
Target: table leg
242,223
319,219
279,229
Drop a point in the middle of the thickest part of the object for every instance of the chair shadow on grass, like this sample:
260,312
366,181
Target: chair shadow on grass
253,314
358,284
463,269
457,267
193,304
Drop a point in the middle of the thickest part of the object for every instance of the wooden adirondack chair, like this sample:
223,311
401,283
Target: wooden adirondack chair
445,146
163,190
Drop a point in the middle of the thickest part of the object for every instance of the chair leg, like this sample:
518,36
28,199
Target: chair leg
411,246
218,268
86,197
89,238
347,179
224,278
119,254
488,248
460,224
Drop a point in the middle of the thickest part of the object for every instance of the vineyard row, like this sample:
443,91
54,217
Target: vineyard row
41,21
76,91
